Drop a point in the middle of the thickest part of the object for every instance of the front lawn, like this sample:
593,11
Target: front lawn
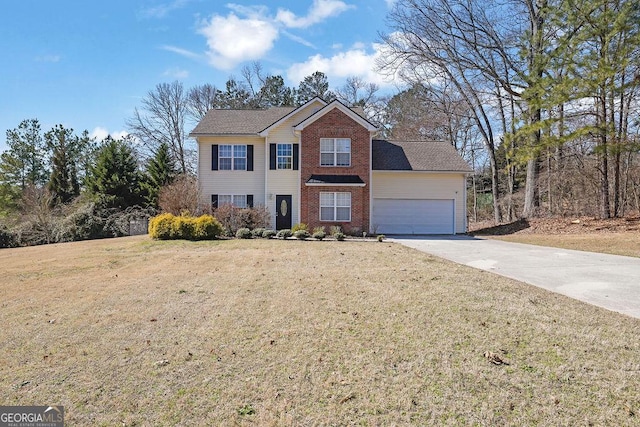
262,332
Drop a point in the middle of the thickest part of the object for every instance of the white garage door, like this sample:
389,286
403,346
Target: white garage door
405,216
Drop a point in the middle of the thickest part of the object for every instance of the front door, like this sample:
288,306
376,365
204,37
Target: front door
283,212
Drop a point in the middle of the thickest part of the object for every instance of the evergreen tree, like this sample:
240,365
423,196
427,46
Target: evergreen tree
24,162
114,178
314,85
63,183
160,171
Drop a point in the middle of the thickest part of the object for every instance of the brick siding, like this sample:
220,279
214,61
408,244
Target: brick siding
335,124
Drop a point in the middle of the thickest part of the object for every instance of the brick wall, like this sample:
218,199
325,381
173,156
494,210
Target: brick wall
335,124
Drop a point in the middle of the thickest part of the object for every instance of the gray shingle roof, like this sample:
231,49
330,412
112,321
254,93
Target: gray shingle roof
239,122
244,122
417,156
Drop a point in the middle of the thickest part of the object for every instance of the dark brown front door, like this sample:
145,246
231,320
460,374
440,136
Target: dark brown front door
283,212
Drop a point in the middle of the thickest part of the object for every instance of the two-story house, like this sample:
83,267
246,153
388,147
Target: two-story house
319,164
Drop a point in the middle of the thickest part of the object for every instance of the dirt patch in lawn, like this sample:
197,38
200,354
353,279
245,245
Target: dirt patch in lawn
136,332
617,236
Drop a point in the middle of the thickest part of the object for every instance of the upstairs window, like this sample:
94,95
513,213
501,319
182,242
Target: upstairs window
284,156
232,157
335,152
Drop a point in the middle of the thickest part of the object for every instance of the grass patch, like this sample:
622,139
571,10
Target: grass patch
272,333
627,244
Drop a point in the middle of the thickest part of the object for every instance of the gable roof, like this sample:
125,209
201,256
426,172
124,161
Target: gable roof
221,122
239,122
265,131
354,115
433,156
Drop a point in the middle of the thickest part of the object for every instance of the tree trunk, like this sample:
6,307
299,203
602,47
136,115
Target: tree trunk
530,189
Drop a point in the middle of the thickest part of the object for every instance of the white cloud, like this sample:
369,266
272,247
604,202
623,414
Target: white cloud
356,61
233,40
176,73
248,33
318,12
99,133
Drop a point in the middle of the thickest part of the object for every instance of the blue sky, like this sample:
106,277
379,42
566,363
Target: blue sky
87,64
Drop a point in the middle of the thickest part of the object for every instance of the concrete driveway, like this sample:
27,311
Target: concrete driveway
608,281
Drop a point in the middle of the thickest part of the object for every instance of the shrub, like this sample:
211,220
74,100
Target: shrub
339,236
268,234
334,229
301,234
7,238
300,226
257,232
244,233
319,235
206,227
167,226
233,218
381,237
284,233
161,226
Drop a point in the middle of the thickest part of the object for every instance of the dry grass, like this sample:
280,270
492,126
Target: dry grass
301,333
627,243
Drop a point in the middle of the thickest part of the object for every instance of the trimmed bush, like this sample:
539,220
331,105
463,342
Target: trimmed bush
284,233
244,233
167,226
339,236
268,234
319,235
257,232
206,227
161,226
381,237
301,234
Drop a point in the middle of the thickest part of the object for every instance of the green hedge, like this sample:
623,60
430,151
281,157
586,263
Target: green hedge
167,226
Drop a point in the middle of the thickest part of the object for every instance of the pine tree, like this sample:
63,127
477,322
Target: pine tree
115,179
63,183
160,171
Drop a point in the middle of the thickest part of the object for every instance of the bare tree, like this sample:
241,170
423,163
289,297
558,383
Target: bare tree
161,119
201,99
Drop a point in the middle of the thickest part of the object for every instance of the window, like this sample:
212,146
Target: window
232,157
335,207
335,152
284,156
237,200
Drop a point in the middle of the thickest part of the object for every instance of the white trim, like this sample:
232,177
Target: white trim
421,171
340,106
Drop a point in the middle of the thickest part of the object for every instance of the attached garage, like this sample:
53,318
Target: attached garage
418,188
407,216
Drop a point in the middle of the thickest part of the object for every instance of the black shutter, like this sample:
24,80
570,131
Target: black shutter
296,154
272,156
214,201
214,157
249,157
250,200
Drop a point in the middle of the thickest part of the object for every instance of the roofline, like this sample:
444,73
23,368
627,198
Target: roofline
467,172
265,131
346,110
195,135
